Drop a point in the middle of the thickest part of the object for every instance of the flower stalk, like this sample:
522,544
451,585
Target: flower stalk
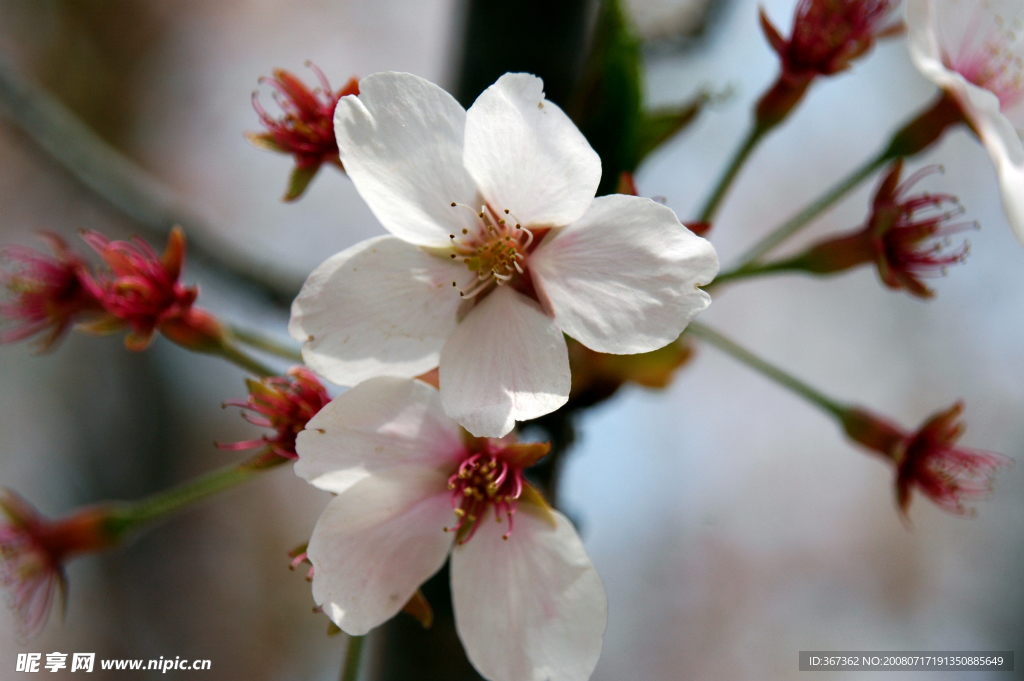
750,142
260,341
230,351
914,137
804,217
353,657
128,519
905,236
771,371
34,549
826,37
927,459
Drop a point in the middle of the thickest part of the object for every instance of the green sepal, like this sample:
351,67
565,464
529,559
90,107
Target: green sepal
265,141
299,180
660,125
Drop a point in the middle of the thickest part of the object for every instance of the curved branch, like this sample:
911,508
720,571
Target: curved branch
127,186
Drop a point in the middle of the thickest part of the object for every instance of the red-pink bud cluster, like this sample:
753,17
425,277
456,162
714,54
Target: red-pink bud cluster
283,403
928,459
306,128
142,293
33,551
47,293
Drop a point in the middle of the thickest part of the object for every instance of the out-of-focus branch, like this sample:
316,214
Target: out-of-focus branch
125,185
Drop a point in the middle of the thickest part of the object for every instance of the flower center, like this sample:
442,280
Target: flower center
995,64
483,481
493,251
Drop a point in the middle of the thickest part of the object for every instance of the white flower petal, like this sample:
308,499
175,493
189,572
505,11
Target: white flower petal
379,424
623,278
923,39
527,156
381,307
401,143
929,50
505,362
375,544
532,608
1004,147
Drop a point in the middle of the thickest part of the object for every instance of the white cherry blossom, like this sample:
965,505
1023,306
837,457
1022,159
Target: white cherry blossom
974,50
498,246
411,488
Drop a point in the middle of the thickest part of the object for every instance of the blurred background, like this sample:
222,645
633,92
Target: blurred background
731,522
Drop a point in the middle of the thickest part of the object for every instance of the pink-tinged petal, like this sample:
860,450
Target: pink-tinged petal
401,143
938,56
527,156
623,278
505,362
1003,145
380,424
923,40
531,608
381,307
375,544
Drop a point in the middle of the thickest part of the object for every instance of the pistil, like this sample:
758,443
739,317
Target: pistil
493,252
484,481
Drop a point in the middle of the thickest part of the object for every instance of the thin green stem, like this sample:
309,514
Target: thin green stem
124,184
353,656
753,270
232,353
266,344
753,137
804,217
773,372
132,517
